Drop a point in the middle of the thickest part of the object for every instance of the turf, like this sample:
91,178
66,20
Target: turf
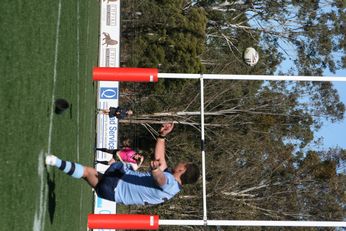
31,58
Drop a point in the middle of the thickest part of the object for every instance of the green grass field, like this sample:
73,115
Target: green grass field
47,51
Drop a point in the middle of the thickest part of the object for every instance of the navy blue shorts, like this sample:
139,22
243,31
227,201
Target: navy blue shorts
105,188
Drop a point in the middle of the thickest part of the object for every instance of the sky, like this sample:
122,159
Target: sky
335,134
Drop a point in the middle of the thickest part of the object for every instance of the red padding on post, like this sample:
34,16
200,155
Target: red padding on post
123,221
124,74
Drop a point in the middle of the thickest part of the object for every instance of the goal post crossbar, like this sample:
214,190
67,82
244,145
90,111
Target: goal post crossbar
153,222
254,223
123,74
251,77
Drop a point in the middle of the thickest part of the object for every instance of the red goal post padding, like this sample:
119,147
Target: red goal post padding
125,74
123,221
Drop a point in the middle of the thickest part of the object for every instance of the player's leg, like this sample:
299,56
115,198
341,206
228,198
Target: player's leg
91,176
75,170
105,162
111,151
108,181
102,111
105,111
111,161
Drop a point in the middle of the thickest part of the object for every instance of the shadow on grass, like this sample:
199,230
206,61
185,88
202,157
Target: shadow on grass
51,196
71,115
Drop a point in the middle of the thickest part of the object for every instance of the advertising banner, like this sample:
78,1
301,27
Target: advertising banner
108,92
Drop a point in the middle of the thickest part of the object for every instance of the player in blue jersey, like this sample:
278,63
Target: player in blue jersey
120,183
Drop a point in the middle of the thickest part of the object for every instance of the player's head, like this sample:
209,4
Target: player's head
190,172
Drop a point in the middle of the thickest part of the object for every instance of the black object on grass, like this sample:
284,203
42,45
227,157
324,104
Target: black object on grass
60,106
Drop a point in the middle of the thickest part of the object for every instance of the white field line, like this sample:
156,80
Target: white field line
39,218
78,79
87,57
78,108
54,78
39,214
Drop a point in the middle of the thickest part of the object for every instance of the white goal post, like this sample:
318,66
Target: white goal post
205,220
252,77
152,75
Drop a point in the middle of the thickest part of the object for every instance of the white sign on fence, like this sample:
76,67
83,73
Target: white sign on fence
108,92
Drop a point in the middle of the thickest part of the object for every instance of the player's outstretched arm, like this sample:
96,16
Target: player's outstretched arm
160,164
161,145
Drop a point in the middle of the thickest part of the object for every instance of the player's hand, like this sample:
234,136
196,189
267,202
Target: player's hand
154,164
166,129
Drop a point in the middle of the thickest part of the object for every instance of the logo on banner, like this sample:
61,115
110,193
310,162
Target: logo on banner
108,93
108,41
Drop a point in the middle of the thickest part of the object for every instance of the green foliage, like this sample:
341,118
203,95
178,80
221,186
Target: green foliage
165,36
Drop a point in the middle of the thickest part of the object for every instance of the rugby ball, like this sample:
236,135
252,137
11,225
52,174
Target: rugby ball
250,56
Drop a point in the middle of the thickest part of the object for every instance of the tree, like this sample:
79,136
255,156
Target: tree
165,36
314,29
